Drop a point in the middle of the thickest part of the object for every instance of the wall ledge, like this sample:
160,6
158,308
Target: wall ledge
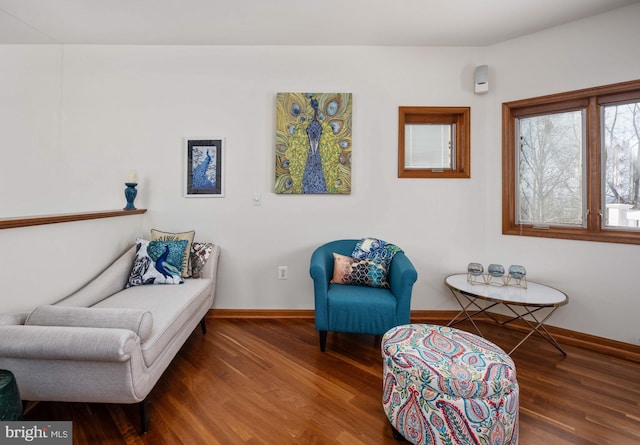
26,221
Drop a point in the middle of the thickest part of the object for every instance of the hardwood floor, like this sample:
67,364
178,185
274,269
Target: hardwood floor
265,381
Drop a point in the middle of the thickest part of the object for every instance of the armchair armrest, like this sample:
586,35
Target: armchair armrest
67,343
321,267
321,271
402,276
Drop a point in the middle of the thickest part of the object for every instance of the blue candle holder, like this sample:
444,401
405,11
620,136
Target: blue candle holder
130,193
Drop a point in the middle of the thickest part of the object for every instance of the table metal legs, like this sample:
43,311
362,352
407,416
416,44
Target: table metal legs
536,325
527,315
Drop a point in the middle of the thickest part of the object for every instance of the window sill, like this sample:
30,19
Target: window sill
26,221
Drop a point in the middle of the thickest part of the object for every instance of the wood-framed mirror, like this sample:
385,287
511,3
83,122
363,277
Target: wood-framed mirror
434,142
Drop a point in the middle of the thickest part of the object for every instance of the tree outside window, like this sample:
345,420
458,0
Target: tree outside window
571,165
620,141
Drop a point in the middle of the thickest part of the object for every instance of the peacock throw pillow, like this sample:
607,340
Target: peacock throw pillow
159,235
157,262
375,250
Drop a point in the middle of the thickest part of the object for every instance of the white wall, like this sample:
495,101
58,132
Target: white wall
43,264
103,110
600,278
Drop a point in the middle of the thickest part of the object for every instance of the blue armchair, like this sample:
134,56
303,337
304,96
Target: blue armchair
359,309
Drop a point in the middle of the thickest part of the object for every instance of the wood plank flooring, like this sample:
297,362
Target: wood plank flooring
265,381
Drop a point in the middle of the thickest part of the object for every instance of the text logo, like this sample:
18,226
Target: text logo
41,433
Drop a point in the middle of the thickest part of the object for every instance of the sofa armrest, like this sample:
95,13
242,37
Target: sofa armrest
139,321
107,283
17,318
210,271
67,343
211,266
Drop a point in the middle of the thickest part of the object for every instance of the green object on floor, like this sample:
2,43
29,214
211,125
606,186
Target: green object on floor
10,403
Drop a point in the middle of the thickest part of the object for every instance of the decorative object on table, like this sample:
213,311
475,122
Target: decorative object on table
517,276
495,275
131,192
496,270
474,270
204,173
313,143
444,386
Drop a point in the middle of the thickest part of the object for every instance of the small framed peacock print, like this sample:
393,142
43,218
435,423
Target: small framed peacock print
204,172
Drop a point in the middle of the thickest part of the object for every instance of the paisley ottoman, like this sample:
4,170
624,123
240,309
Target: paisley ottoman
447,386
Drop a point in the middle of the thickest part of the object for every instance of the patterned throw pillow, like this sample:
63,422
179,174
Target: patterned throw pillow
157,235
361,272
376,250
157,262
199,255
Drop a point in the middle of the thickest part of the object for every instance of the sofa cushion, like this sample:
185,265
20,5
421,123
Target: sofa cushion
158,235
157,262
139,321
171,307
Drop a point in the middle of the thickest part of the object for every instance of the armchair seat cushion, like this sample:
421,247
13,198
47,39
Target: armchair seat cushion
361,309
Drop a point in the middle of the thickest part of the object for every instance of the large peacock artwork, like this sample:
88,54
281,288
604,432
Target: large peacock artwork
313,143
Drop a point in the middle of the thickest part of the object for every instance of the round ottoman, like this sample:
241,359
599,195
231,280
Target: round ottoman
447,386
10,403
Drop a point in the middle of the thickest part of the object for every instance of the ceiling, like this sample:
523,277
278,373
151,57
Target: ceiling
287,22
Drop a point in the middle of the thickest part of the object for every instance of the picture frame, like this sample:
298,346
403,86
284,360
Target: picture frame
204,168
313,143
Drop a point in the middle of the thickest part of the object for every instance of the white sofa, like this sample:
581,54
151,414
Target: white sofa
105,343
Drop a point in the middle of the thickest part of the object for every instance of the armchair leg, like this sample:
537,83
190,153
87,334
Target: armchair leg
323,340
203,326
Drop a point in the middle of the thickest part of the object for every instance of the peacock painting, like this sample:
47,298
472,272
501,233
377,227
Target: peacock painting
313,143
204,174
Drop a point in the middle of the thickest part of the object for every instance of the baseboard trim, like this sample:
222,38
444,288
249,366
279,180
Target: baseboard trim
614,348
261,313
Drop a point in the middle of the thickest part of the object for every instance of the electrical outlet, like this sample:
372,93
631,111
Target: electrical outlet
283,272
